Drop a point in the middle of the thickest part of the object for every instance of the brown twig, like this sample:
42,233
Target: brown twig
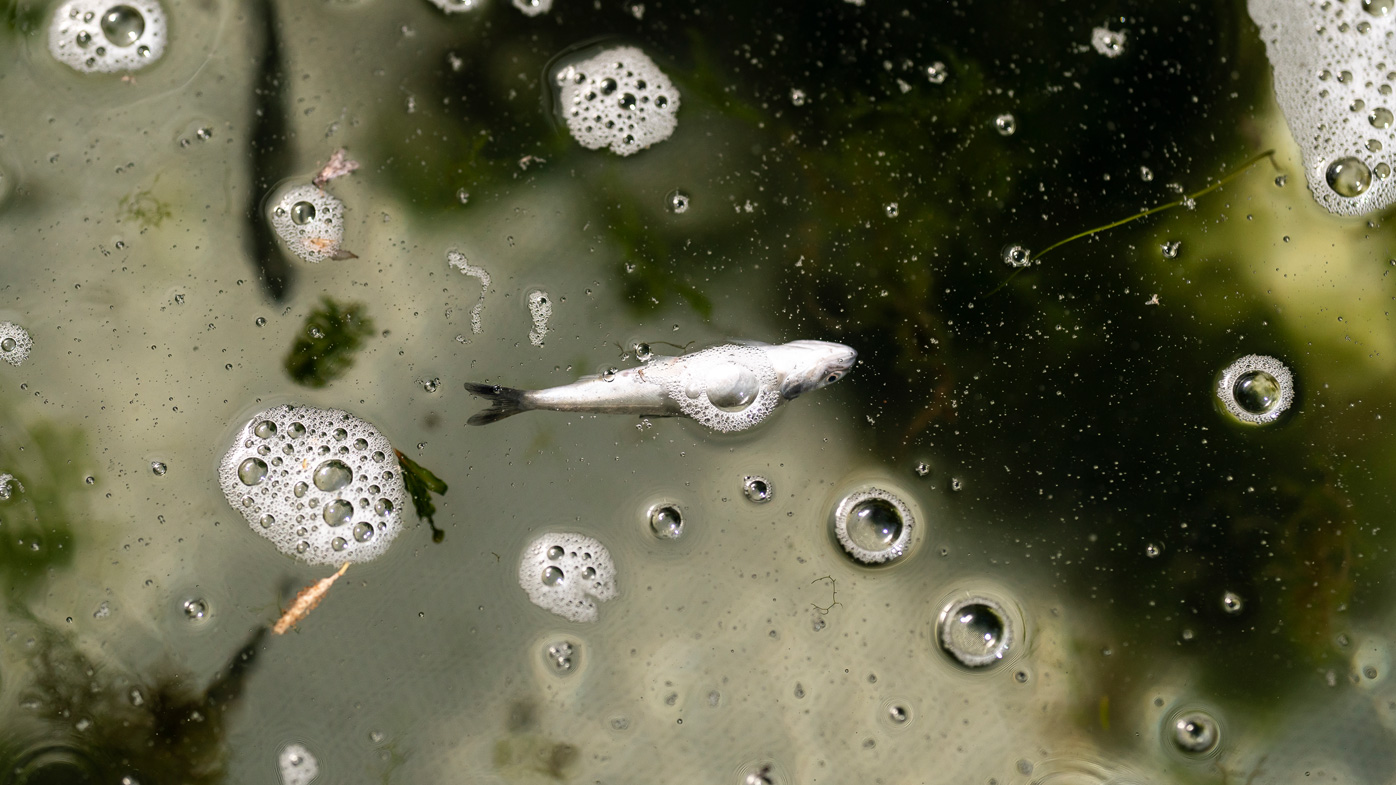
305,602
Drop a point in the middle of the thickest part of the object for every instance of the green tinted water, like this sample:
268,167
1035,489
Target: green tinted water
1162,591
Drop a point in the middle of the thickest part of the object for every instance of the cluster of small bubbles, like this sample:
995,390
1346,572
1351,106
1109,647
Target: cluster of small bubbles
1330,75
797,96
1232,603
976,631
1006,124
534,7
540,309
1110,43
726,388
158,468
873,525
937,72
757,488
1015,255
560,656
616,98
195,609
1146,174
666,521
297,765
1171,248
1194,732
321,484
891,209
567,574
457,260
676,202
15,343
96,36
1256,389
310,221
456,6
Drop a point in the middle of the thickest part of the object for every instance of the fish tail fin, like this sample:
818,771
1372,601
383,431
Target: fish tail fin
504,402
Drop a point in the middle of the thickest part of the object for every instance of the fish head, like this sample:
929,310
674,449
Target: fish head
809,365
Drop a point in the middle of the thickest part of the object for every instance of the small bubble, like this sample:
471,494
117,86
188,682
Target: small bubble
797,96
1170,249
1006,124
195,609
561,657
676,201
922,469
252,471
1015,255
891,209
874,526
1152,551
332,475
338,513
757,488
552,576
1146,174
363,532
1110,43
898,714
1280,180
1348,177
937,72
556,552
643,353
975,631
265,429
1195,732
158,468
1378,7
666,521
1232,603
1381,117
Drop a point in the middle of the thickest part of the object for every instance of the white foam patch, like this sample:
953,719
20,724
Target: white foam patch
297,765
540,309
15,343
534,7
1110,43
456,6
726,388
102,36
7,484
323,485
617,98
1226,388
310,221
567,574
1335,69
457,260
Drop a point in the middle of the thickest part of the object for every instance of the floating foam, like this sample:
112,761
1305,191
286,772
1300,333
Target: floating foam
567,574
457,260
726,388
540,308
323,485
1335,69
311,223
95,36
617,98
15,343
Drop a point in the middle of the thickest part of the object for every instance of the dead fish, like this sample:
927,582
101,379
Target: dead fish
727,388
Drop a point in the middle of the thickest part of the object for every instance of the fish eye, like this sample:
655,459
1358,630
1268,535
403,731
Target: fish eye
833,377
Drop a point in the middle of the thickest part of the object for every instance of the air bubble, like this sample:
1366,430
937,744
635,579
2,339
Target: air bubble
1195,732
1170,249
976,631
726,388
15,343
297,765
1380,117
676,201
614,98
1006,124
158,468
873,525
562,657
937,72
1378,7
757,488
1232,603
797,96
310,221
576,599
134,34
265,429
1256,389
302,213
533,7
195,609
1015,255
338,513
540,310
252,471
1348,177
332,475
666,521
1110,43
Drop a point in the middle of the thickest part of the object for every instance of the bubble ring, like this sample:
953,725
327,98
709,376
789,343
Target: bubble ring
1193,732
1226,388
948,616
692,374
896,548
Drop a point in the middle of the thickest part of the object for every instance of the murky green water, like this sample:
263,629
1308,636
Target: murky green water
1085,569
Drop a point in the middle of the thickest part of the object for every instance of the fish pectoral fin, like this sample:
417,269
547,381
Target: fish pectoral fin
504,402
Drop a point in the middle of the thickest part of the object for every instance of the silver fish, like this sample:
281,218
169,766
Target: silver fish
727,388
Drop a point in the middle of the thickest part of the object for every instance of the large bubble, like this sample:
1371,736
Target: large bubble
726,388
614,97
567,574
1256,389
103,36
1334,78
321,484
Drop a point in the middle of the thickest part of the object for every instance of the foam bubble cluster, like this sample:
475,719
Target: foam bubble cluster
873,525
1256,389
297,765
540,309
533,7
457,260
726,388
311,223
323,485
617,98
567,574
7,481
1334,74
103,36
15,343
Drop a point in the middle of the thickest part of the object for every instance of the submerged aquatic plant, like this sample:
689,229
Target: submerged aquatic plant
325,350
